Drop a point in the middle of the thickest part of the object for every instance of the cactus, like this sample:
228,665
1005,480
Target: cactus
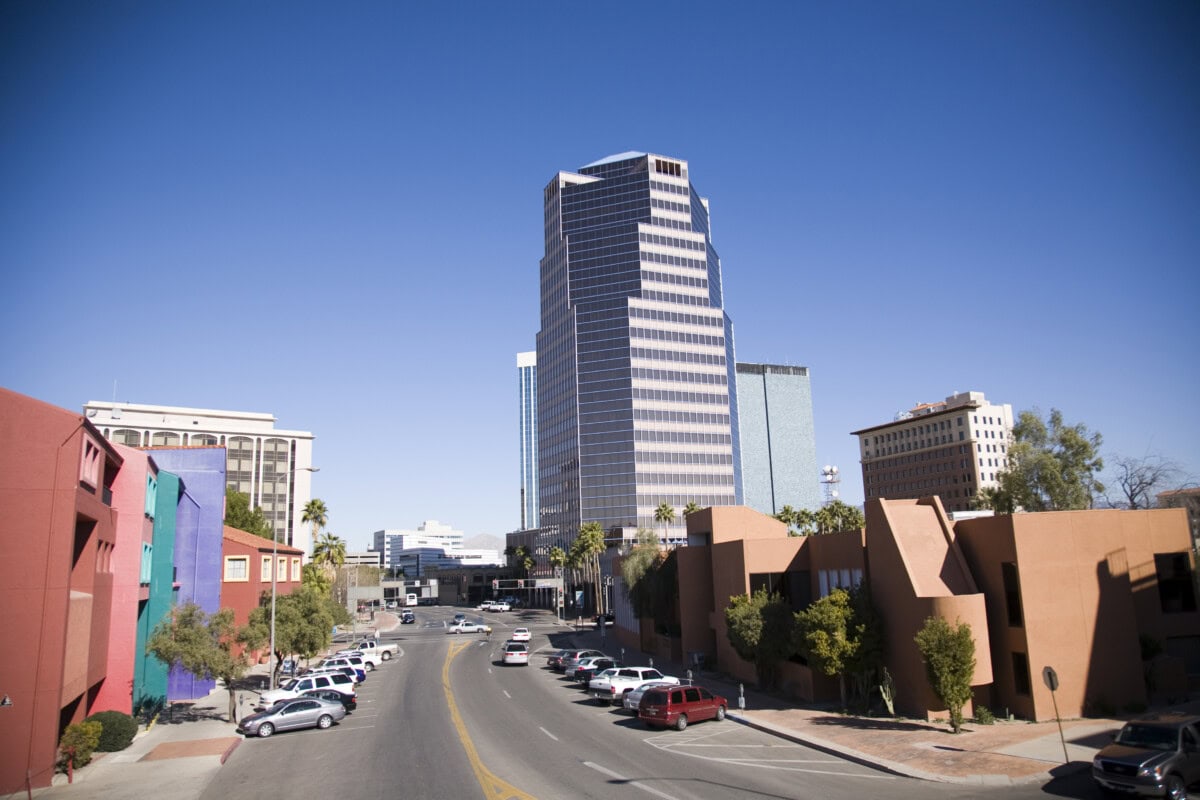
887,689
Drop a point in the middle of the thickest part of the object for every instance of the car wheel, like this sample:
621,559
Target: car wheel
720,713
265,730
386,655
324,721
1175,788
368,666
681,723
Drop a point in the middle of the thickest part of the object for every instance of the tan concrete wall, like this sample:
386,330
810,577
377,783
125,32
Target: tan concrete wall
1088,589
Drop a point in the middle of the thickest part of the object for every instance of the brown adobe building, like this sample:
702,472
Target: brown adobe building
1074,590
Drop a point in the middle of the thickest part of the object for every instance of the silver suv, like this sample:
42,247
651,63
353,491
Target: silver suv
1158,756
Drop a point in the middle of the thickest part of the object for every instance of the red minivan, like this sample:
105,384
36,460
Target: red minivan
676,706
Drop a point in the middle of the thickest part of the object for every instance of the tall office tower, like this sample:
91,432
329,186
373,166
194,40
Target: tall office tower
268,464
636,404
952,449
527,386
779,451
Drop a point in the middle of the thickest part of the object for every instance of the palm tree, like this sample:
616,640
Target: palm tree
590,544
664,514
329,551
690,508
317,515
787,516
805,522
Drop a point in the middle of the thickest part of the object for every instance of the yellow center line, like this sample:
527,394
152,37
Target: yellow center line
493,787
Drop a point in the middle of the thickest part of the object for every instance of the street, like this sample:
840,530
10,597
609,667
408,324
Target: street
446,719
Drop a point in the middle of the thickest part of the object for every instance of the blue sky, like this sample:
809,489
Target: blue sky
332,212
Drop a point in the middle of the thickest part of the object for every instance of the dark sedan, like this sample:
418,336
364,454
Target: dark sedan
348,701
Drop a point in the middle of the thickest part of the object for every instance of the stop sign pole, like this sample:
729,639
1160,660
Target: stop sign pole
1051,679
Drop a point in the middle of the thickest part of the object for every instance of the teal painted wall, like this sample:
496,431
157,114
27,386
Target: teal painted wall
150,674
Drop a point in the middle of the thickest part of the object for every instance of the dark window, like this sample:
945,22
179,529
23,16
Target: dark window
692,695
1175,590
1012,594
1020,663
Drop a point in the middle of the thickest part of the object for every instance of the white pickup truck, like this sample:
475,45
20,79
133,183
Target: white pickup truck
373,647
611,689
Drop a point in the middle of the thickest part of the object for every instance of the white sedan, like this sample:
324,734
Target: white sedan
516,653
465,626
520,635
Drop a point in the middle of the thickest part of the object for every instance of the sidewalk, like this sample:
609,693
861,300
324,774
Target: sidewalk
1005,753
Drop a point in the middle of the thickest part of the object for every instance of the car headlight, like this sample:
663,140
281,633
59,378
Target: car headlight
1150,772
1096,763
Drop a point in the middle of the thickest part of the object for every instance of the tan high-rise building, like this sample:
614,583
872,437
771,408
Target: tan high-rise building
952,449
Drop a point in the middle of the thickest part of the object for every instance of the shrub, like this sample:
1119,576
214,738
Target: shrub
984,715
949,653
117,730
78,743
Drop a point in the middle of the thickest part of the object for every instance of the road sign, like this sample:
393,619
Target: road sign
1051,678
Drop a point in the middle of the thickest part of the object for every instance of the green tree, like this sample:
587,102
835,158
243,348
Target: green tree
837,516
585,553
238,514
639,569
760,629
304,622
316,514
787,515
312,574
329,551
203,644
690,508
664,514
805,522
949,653
1051,467
841,635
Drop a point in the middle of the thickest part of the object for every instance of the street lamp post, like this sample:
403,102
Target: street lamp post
274,573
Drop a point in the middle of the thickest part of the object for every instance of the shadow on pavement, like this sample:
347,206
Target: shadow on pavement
873,724
1072,780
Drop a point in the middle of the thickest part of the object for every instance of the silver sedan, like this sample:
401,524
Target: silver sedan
286,715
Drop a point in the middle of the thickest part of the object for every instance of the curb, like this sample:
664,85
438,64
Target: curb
892,767
229,751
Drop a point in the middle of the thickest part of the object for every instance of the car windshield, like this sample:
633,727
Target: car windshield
289,685
1154,737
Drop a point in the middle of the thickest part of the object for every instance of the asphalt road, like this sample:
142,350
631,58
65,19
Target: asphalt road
525,732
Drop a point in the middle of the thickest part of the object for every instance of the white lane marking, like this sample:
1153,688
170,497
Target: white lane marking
548,733
506,694
623,779
667,742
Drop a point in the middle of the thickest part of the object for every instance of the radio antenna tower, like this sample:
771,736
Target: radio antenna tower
830,479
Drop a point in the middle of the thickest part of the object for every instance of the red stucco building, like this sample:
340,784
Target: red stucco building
246,571
57,538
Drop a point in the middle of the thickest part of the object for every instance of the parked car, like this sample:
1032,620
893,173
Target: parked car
1158,756
298,686
633,697
585,663
516,653
677,706
521,635
464,627
554,659
346,661
298,712
587,671
612,689
572,656
347,670
348,701
460,617
360,659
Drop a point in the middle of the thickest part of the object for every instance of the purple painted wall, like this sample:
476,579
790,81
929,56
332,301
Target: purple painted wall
198,530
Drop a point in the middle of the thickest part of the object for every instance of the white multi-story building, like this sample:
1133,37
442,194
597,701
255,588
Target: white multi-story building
953,449
431,544
274,467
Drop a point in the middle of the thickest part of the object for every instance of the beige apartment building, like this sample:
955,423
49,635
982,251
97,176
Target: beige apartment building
952,450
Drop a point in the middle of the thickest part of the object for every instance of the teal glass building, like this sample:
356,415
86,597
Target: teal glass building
527,399
637,403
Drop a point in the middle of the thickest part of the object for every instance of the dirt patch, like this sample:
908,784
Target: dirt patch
197,747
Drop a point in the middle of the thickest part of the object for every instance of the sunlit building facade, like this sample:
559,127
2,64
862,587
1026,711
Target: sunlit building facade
636,397
268,464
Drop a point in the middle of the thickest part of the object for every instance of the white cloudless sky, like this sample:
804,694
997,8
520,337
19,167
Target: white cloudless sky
332,213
